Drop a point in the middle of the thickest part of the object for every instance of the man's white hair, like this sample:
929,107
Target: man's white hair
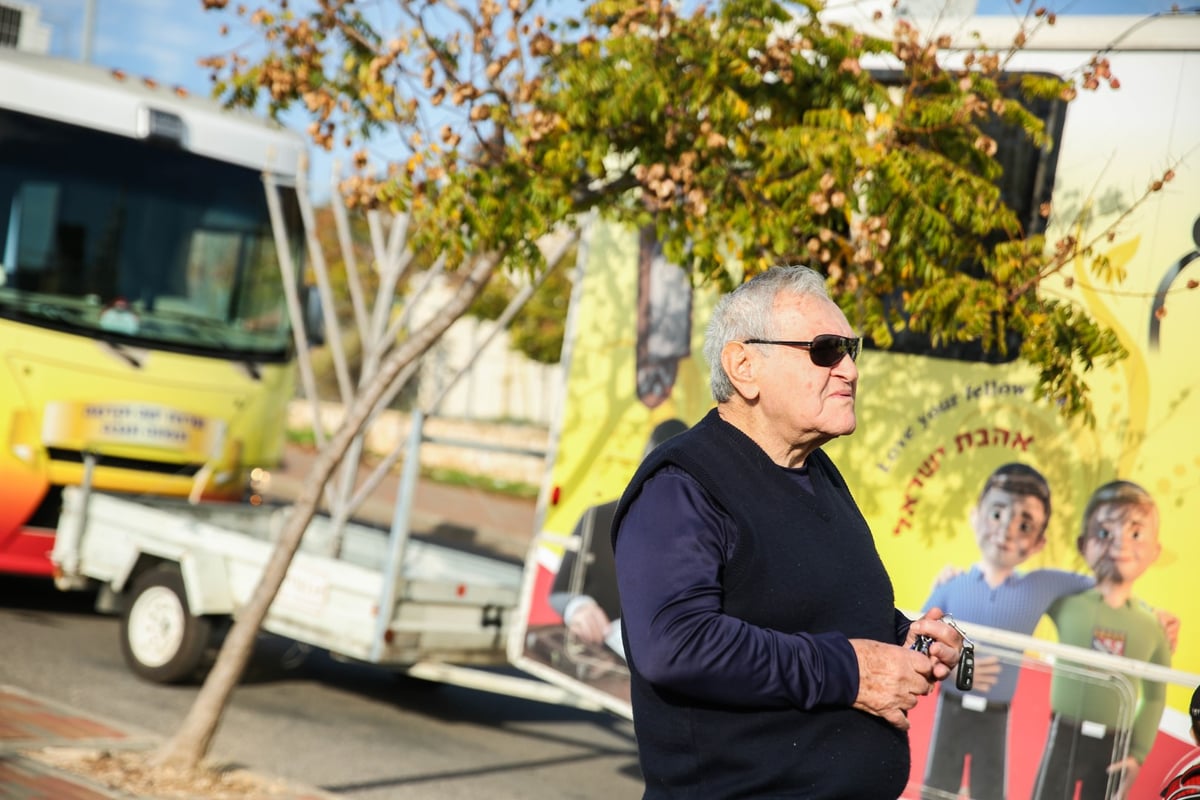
748,312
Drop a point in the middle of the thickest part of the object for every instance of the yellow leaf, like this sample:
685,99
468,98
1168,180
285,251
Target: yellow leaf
1120,255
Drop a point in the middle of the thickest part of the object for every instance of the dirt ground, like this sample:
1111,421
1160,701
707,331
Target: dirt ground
132,772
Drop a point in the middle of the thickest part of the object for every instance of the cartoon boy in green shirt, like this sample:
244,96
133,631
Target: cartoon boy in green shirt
1119,541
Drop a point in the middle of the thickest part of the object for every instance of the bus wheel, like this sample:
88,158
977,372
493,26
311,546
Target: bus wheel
160,639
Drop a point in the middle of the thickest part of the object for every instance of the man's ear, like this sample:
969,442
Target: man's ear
740,363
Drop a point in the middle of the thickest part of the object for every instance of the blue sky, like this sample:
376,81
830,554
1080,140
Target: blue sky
163,39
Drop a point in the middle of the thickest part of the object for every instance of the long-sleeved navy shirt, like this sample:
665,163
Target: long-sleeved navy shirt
671,577
747,592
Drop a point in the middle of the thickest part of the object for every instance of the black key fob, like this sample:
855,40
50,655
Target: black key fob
964,679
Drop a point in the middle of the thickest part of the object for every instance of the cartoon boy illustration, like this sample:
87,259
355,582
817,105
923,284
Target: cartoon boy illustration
1119,541
1010,520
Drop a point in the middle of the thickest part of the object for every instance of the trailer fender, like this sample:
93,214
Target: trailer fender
125,559
207,583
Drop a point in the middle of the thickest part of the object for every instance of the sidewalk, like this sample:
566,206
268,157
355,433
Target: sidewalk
29,725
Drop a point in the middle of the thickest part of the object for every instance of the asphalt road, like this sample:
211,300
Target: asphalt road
350,729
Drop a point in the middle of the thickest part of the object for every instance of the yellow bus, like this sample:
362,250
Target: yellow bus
932,425
144,334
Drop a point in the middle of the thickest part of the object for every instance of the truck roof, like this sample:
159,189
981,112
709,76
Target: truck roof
1077,32
111,101
1090,34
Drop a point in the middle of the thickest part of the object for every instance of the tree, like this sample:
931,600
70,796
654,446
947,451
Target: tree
748,134
538,329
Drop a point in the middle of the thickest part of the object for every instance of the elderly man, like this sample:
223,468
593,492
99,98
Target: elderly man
767,656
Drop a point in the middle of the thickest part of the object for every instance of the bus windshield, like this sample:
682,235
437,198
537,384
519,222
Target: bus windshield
139,242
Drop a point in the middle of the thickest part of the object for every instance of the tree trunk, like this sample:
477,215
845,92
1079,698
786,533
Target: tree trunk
191,742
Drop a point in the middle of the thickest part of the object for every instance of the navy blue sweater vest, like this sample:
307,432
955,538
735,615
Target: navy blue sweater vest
804,564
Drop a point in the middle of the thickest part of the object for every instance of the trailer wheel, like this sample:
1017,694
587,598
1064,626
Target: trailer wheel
160,639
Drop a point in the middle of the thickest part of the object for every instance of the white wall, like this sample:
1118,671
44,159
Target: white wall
390,429
33,34
502,384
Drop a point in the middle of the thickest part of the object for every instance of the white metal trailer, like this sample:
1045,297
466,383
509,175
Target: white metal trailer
178,573
175,571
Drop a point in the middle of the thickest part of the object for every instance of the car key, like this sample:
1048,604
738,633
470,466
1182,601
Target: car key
964,679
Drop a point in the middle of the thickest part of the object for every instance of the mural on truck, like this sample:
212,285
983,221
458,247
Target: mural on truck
982,499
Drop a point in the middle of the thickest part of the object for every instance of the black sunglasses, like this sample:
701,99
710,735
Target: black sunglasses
825,350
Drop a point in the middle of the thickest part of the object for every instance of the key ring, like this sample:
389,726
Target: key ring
949,620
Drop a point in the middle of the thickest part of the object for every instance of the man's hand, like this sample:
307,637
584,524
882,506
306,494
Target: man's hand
1127,772
947,642
890,679
589,622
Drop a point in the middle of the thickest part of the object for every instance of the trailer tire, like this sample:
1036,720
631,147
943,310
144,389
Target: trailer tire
160,639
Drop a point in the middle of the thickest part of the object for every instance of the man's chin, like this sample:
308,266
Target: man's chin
845,426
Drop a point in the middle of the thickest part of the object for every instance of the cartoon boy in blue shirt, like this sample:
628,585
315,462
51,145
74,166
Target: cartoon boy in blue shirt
1010,520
